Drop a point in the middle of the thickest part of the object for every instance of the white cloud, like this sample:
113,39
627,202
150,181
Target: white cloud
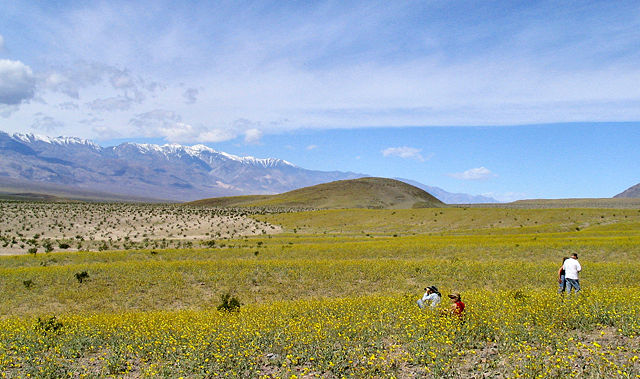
180,132
121,79
157,115
479,173
252,136
244,124
312,147
7,110
253,131
267,68
213,135
17,82
58,82
404,152
46,123
169,124
98,125
111,104
1,42
104,79
190,95
104,131
68,106
69,80
149,123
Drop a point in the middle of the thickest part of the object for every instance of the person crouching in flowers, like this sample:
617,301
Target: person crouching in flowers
433,295
457,306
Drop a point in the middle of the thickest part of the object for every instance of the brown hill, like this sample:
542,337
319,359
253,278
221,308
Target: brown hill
373,193
632,192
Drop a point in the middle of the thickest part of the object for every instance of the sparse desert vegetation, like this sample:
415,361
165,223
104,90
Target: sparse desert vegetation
39,227
458,220
333,295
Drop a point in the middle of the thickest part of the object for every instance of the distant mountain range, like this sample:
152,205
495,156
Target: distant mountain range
448,197
171,172
79,168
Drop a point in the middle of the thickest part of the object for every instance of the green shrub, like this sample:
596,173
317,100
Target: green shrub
48,247
48,325
229,303
81,276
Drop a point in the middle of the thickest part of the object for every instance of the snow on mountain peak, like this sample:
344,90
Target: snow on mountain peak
201,148
198,151
205,152
61,140
144,147
265,162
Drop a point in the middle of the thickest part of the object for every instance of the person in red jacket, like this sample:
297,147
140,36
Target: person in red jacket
457,307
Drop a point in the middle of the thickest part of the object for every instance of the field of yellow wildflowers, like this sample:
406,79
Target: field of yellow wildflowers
338,300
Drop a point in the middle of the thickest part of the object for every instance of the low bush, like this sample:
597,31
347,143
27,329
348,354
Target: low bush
229,303
81,276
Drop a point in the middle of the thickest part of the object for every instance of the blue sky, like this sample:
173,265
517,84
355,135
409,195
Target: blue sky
514,99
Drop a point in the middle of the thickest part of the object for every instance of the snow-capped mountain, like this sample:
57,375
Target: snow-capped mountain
169,172
65,141
172,172
203,152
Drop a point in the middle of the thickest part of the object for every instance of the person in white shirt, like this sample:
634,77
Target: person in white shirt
571,269
433,295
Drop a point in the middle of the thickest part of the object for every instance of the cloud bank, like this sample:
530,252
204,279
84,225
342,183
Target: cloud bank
46,123
320,65
404,152
17,82
252,136
480,173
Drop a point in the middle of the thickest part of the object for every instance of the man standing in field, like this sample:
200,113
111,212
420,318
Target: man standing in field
571,269
562,283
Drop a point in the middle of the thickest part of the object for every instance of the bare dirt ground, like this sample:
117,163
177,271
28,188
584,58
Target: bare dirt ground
110,226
